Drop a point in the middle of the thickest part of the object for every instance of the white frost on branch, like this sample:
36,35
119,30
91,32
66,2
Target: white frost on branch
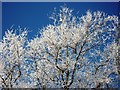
73,52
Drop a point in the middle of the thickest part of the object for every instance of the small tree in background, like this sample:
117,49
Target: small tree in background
12,53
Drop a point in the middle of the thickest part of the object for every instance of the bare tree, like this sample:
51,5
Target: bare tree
11,57
74,51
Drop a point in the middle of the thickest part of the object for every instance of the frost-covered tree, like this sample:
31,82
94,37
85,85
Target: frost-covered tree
72,52
75,51
12,53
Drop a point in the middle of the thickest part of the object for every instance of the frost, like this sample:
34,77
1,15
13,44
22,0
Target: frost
73,52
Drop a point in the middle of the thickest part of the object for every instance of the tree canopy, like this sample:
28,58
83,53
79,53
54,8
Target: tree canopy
72,52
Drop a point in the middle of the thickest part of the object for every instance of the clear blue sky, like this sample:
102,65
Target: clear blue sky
36,15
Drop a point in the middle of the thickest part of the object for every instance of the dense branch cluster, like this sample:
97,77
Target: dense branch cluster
73,52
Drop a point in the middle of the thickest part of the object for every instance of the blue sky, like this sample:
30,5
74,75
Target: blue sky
34,15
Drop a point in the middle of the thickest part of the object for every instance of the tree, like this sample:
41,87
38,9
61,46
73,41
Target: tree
75,51
12,53
72,52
